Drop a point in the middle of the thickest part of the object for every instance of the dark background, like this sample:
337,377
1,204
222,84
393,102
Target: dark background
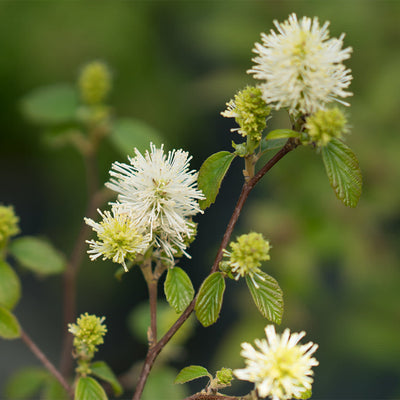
174,65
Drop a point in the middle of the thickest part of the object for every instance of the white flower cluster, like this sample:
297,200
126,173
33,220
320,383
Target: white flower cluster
159,195
301,67
281,368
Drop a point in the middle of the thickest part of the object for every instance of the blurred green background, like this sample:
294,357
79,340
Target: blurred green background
174,66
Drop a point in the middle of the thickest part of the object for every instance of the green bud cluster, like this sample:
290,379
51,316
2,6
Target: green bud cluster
247,253
8,224
224,376
94,83
324,125
88,334
250,112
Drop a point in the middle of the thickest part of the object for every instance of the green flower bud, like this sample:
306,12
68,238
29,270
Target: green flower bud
324,125
246,254
88,334
8,224
224,376
250,112
94,83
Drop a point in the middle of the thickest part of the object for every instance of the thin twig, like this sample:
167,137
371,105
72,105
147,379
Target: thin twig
46,362
152,287
153,352
205,396
96,197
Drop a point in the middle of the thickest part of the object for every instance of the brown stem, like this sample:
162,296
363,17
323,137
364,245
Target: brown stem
153,352
70,275
152,286
45,361
205,396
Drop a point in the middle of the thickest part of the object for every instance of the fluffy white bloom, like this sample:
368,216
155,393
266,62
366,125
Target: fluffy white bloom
120,238
281,368
160,191
302,68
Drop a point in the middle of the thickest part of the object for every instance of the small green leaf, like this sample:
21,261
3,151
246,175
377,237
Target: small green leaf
9,326
209,301
191,372
26,383
343,171
273,144
101,370
89,389
51,104
211,174
178,289
53,390
267,295
282,134
127,133
37,255
10,286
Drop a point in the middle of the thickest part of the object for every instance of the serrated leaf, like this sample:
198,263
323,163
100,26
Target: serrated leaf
89,389
209,300
37,255
101,370
282,134
10,286
191,372
9,326
211,174
267,296
26,383
51,104
178,289
343,171
128,133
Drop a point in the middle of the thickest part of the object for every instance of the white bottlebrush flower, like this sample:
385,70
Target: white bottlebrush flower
161,192
302,68
281,368
119,236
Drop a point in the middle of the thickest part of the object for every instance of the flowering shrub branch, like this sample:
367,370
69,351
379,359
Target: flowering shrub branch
150,224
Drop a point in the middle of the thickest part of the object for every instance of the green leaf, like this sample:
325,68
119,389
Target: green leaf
9,326
160,385
10,286
26,383
267,295
343,171
53,390
89,389
178,289
191,372
139,322
282,134
51,104
273,144
127,133
211,174
37,255
101,370
209,301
